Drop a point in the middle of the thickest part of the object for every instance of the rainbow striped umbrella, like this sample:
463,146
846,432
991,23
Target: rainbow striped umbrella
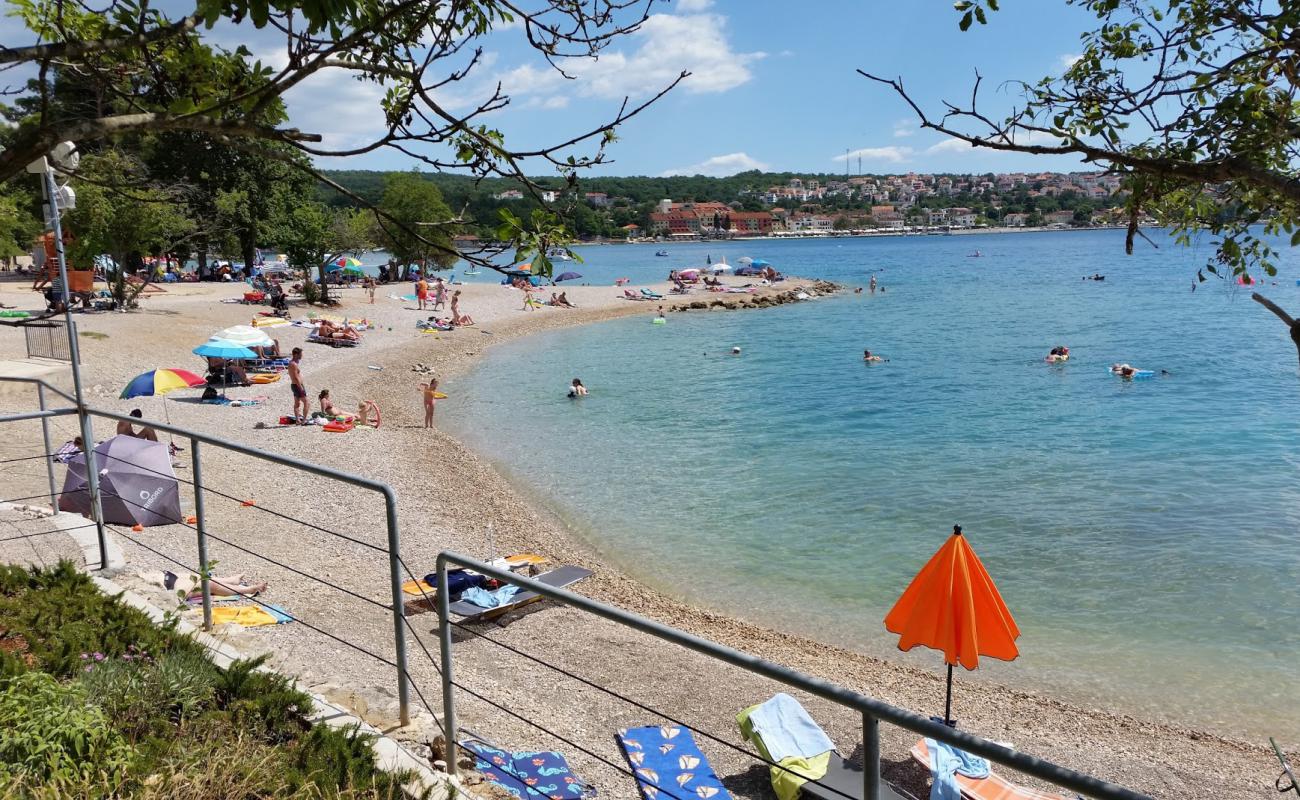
160,382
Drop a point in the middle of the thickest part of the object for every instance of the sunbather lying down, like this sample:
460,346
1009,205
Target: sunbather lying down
226,586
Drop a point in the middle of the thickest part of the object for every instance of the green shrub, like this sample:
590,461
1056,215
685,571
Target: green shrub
63,616
144,696
265,703
49,733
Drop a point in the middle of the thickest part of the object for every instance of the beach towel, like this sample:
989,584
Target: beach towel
666,760
946,762
250,616
790,774
787,730
528,775
65,452
494,599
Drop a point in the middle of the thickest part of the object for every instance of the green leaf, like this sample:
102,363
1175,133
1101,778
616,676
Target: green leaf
965,21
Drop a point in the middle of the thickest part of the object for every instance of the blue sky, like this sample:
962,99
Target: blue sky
774,86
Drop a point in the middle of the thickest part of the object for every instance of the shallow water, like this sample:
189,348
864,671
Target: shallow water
1144,534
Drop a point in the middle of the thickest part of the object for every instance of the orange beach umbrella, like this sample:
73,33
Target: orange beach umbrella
953,606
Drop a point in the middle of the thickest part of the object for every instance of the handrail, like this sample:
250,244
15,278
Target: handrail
870,707
195,437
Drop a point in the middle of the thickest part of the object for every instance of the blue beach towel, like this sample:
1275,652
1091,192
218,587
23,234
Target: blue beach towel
787,730
667,761
945,762
544,774
484,599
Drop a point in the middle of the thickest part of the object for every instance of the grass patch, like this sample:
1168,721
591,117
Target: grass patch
96,702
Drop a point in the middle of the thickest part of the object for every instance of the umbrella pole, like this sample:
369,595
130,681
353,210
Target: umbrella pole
947,704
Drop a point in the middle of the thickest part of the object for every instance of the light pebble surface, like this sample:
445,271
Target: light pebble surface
450,498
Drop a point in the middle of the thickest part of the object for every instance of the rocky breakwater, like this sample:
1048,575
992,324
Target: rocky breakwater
790,291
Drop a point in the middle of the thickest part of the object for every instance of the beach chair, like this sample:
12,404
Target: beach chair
559,578
528,775
823,775
667,763
994,787
628,294
651,295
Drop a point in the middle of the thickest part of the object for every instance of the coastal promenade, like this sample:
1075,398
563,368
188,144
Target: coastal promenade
450,498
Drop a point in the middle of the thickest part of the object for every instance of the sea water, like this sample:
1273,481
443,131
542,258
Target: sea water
1143,533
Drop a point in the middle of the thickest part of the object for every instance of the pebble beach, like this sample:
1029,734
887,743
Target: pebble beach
451,498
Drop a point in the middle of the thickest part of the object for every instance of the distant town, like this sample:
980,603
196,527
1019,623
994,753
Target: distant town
789,205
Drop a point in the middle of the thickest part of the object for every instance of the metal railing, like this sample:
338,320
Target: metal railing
47,339
196,442
872,711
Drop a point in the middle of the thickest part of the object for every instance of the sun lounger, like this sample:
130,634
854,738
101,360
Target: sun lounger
824,775
994,787
332,342
667,763
628,294
559,578
651,295
541,775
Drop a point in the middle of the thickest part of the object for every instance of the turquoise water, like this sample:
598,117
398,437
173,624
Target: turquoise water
1144,534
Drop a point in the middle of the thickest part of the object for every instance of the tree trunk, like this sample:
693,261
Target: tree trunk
1291,323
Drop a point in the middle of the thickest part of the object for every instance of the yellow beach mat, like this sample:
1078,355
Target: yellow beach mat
264,377
270,322
249,616
418,588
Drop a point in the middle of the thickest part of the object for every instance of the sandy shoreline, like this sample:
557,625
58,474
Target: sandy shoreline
451,498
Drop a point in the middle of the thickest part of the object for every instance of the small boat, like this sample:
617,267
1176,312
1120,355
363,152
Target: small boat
559,254
471,272
661,253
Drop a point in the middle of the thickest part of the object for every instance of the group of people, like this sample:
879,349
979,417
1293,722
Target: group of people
436,295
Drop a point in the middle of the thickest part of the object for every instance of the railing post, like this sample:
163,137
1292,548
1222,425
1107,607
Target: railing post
870,757
204,579
444,645
399,609
49,458
74,354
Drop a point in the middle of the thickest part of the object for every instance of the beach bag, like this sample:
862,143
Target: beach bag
458,580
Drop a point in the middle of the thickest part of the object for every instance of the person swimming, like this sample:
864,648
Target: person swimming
735,351
576,389
870,357
1059,353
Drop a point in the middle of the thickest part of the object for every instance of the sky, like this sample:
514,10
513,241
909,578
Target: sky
773,87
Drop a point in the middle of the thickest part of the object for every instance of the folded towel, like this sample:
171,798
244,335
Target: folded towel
787,730
946,762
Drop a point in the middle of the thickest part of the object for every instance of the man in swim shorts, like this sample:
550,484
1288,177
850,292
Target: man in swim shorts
295,384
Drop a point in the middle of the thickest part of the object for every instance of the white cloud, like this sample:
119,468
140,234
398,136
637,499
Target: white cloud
786,53
1068,60
949,146
719,166
692,6
892,154
904,128
314,105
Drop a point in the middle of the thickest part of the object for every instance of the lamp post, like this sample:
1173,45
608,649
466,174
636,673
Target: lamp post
64,157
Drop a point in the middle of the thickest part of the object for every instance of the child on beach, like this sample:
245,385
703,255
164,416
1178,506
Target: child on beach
370,289
430,399
364,410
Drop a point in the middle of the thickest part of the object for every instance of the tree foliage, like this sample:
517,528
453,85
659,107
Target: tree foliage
409,204
1192,101
128,69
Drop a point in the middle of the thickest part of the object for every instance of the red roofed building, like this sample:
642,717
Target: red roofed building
756,222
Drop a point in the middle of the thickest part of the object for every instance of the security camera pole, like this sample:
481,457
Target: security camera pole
67,151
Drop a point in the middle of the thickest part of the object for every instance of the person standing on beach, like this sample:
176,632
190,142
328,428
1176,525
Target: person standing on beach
295,384
430,399
439,294
456,317
421,292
